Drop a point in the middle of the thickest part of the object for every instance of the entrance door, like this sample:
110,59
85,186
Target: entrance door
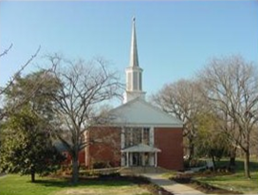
136,159
146,158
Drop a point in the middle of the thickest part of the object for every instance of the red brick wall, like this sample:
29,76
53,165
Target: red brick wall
170,142
105,146
68,160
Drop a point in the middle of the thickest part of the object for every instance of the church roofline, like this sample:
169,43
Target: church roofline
178,123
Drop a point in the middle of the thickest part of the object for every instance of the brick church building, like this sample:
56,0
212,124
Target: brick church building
139,134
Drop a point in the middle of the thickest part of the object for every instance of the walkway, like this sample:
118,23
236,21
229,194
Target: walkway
171,186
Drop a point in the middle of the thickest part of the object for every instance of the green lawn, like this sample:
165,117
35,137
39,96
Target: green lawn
21,185
237,181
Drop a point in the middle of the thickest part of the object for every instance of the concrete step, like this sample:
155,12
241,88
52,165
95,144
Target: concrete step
140,170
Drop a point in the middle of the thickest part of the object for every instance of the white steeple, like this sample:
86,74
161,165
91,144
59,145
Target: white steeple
134,54
133,72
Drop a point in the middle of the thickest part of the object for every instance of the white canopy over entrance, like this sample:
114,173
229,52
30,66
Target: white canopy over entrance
141,148
140,155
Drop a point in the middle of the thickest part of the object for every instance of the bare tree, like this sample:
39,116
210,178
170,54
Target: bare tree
182,100
231,86
83,86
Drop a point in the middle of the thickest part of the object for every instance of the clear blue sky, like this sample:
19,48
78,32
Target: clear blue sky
175,39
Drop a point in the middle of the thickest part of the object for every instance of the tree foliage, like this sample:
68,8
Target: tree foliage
26,143
219,107
210,140
4,89
231,87
27,147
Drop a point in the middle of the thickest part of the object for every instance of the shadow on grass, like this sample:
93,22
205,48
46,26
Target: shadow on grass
103,182
239,164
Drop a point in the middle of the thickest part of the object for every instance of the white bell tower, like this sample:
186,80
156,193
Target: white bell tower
133,72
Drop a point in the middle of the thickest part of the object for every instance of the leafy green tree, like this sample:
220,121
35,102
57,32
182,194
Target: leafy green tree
34,89
210,140
4,89
26,142
27,147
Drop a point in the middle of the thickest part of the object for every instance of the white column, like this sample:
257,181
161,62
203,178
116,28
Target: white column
131,135
127,159
123,159
122,138
130,159
156,159
142,132
151,136
152,159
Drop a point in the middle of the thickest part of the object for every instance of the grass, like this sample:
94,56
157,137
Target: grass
21,185
236,181
169,174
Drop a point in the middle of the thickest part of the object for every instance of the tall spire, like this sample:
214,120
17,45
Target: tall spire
133,72
134,54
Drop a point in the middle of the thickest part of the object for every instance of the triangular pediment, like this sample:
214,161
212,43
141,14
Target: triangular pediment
138,112
141,148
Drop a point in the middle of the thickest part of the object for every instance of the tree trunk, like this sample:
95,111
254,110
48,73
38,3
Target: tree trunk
247,165
191,149
32,174
232,161
75,171
247,162
214,162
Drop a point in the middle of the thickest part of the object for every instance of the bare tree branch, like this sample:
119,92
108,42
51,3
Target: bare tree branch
83,86
6,51
20,70
231,86
182,100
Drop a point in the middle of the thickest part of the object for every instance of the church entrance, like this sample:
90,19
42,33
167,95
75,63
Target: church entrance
139,155
137,160
140,159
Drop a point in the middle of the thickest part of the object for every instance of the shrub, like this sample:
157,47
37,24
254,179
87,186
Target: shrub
109,175
100,165
194,163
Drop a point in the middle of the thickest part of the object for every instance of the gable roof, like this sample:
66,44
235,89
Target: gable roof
138,112
141,148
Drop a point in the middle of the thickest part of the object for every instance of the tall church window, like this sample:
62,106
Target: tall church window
128,137
136,135
146,136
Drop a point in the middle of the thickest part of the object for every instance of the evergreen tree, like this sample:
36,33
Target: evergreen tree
26,144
